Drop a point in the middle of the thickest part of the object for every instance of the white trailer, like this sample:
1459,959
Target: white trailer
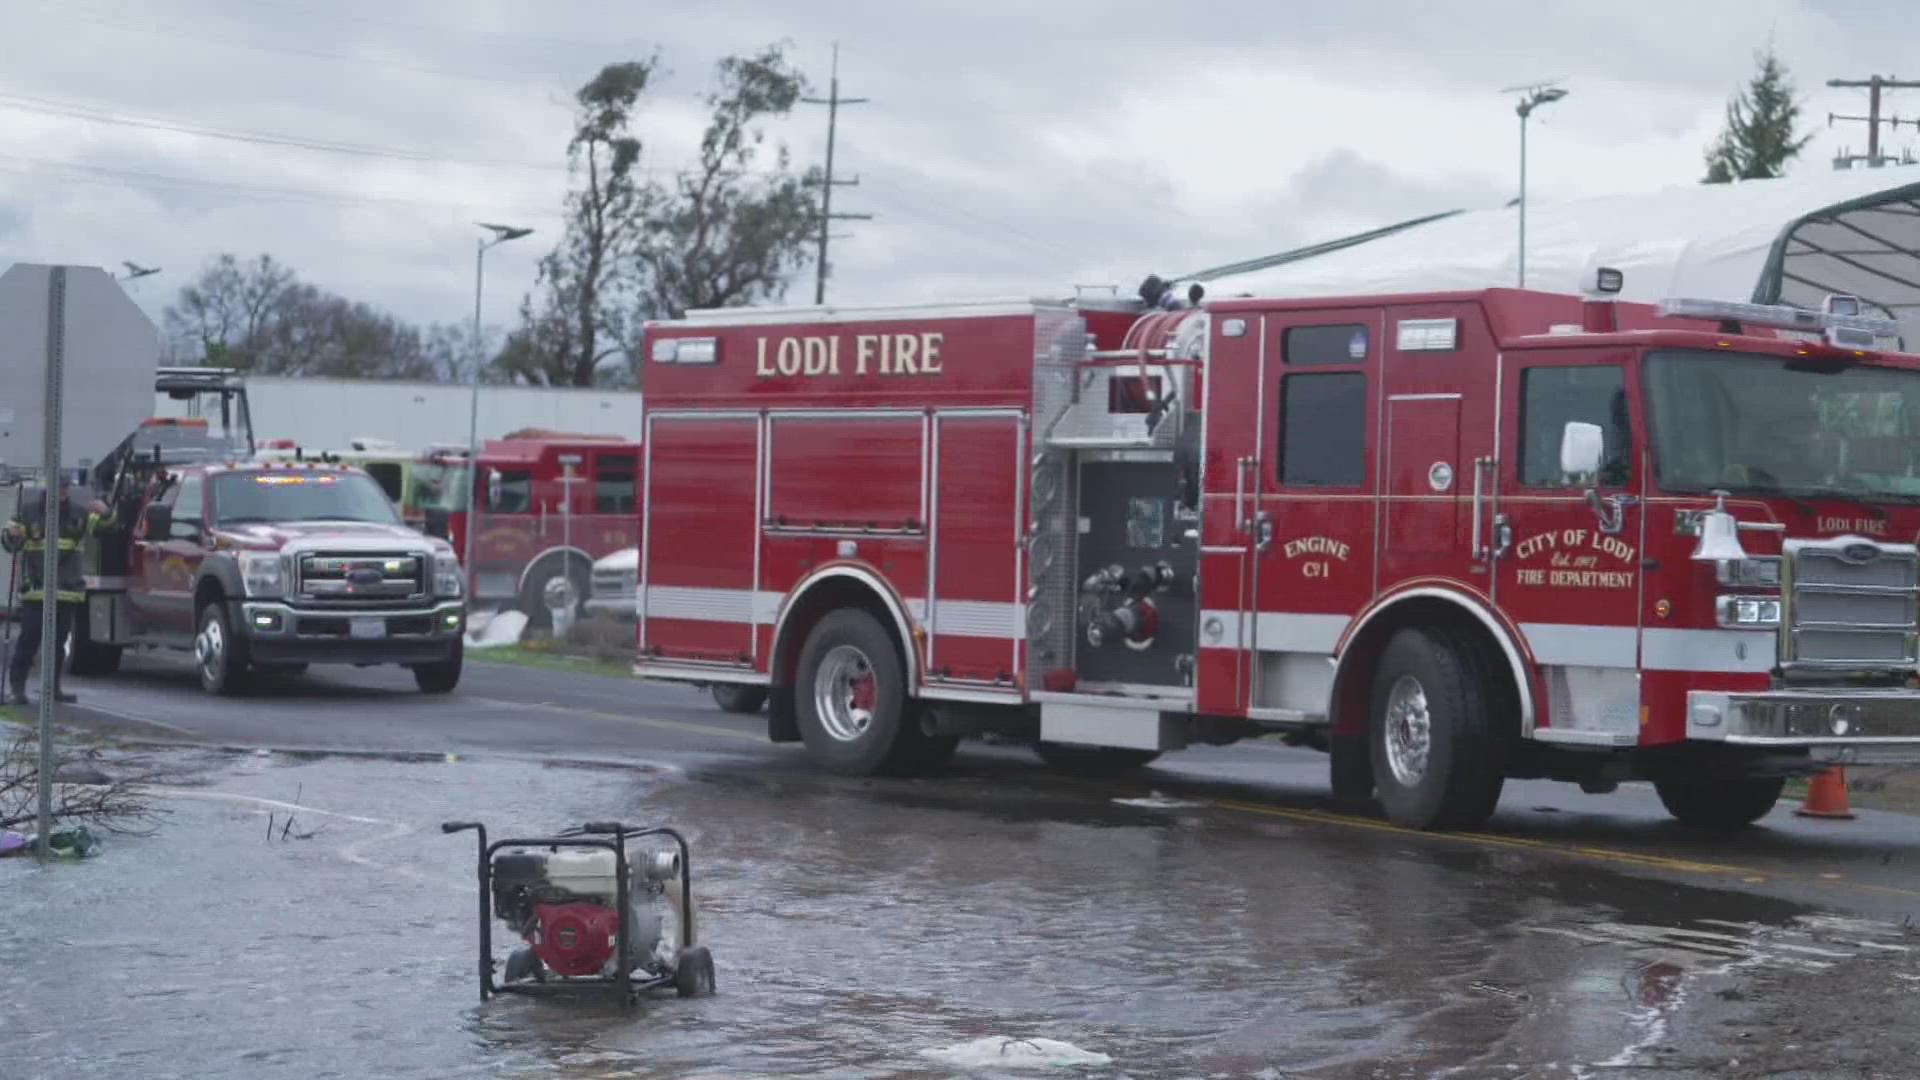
332,413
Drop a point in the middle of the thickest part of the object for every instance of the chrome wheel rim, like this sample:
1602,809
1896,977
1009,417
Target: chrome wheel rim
844,693
210,648
1409,734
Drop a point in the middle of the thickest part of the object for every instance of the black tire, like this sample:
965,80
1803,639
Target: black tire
1448,679
1350,768
693,973
1718,803
852,643
86,656
739,697
281,669
1093,760
533,595
219,655
441,676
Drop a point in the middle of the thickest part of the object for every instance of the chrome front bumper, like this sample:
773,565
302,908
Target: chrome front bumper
1838,726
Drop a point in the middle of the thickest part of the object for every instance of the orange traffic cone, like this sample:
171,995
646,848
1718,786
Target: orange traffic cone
1826,796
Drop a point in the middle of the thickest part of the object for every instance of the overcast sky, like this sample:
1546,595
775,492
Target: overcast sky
1011,148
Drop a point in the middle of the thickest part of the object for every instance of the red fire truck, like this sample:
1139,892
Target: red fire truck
549,504
1450,538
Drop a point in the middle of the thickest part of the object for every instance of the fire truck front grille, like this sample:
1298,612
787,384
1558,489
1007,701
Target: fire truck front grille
615,584
364,581
1853,604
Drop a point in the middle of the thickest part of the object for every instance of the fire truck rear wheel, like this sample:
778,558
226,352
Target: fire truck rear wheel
533,598
1435,743
1093,760
738,698
218,653
1720,803
851,693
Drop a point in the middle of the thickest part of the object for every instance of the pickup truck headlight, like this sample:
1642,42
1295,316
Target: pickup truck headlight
448,581
263,575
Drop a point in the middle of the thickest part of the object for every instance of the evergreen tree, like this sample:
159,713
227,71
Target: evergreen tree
1759,138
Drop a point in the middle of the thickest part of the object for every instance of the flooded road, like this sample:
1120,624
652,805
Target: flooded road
873,928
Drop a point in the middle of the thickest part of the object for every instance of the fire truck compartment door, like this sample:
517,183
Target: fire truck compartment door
1424,471
700,535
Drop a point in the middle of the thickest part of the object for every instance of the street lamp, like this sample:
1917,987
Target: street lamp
1534,96
501,234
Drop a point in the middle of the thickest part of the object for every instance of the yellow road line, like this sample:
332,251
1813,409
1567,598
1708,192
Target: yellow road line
643,721
1593,854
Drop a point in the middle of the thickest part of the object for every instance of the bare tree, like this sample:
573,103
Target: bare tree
734,229
222,313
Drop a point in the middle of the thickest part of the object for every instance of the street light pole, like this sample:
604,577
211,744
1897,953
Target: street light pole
1535,96
501,234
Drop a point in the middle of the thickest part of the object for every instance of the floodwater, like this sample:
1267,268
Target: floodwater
860,929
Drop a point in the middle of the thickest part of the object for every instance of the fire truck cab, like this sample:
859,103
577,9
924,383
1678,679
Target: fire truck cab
1450,538
542,506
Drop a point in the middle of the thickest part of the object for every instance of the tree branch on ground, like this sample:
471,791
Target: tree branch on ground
115,802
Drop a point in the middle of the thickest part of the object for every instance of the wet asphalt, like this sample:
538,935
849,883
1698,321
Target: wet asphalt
1216,916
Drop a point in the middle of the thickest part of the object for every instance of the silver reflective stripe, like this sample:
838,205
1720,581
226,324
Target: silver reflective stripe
1582,646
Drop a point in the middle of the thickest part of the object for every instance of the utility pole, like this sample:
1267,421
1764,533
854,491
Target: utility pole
832,101
1873,85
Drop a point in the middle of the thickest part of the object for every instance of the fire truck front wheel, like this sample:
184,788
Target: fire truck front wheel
220,655
1719,803
1433,731
851,689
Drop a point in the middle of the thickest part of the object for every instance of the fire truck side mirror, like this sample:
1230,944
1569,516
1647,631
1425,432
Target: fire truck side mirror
493,488
1581,445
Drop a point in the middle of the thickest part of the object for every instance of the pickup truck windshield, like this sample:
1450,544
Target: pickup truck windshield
1772,424
292,495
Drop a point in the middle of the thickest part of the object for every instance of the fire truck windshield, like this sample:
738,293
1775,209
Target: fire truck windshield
290,495
1771,424
441,486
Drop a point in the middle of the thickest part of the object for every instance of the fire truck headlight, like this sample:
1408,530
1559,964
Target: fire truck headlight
1748,612
260,573
447,579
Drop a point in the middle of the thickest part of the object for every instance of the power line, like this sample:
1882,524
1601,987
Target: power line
100,173
1873,84
832,101
94,114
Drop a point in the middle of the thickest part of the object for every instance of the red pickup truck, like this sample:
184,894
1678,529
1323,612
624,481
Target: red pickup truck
271,566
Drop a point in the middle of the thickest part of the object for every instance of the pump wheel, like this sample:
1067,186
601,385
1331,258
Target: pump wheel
851,694
1093,760
739,697
693,973
1433,733
1719,803
218,653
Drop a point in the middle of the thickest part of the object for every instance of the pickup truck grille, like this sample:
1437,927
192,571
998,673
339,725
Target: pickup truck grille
361,580
615,584
1852,605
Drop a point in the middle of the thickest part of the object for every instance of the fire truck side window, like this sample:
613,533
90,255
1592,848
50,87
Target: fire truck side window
1345,343
516,493
387,475
1552,396
613,484
187,509
1323,430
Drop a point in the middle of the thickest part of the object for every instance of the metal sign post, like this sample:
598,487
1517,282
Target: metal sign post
51,514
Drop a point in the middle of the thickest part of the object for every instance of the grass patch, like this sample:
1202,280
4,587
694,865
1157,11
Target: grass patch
523,656
11,715
600,646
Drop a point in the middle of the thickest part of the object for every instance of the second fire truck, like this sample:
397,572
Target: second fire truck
1451,538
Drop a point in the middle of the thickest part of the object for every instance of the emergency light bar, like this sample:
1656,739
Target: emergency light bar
1839,323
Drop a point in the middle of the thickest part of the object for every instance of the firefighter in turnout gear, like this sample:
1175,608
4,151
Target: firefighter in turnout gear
27,536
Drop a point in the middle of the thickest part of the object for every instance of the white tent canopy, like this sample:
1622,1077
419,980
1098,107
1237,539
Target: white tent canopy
1770,241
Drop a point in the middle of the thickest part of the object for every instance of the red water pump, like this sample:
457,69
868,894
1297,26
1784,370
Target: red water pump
592,907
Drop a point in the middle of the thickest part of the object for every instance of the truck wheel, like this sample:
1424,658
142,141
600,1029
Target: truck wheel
86,656
739,697
1720,803
1093,760
1436,747
281,669
221,656
533,598
441,676
851,691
